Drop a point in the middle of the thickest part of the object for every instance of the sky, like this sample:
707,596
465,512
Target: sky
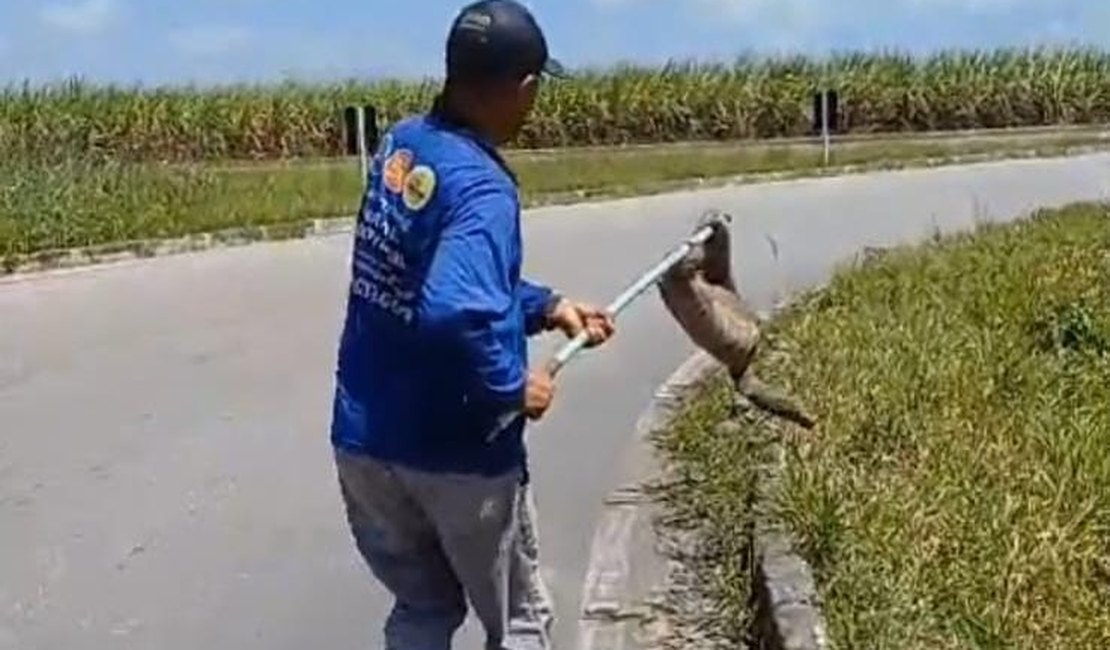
219,41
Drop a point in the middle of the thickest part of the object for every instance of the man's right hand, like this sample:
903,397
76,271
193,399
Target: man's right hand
538,393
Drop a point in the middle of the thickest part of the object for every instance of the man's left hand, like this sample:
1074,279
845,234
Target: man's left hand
573,317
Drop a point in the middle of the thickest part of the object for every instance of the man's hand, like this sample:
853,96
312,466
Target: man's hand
574,317
538,393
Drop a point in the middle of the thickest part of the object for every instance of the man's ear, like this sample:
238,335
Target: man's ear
530,85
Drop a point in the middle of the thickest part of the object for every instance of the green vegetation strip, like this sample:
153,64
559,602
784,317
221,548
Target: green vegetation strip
78,203
957,493
748,98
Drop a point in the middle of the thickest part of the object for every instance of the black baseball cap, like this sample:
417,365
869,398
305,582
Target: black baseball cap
498,39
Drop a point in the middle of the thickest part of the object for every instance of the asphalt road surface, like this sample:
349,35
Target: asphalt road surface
165,477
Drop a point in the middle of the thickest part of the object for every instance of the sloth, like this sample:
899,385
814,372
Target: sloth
700,293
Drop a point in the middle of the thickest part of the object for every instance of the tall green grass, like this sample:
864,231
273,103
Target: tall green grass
750,97
957,492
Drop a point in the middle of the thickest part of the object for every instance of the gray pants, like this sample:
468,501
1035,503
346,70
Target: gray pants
438,541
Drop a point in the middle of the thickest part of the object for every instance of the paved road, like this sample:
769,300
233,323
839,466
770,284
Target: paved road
164,471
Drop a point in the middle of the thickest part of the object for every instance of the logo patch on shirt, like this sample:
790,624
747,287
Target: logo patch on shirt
397,167
419,187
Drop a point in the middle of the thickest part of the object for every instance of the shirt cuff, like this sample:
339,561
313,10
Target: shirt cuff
553,301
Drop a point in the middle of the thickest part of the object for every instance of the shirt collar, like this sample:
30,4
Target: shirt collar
452,120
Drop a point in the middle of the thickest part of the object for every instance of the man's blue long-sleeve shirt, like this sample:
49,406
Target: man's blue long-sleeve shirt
434,345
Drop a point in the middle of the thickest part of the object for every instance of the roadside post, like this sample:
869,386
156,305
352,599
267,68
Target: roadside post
360,134
826,108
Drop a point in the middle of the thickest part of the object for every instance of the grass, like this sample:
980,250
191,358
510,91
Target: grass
957,494
749,97
49,206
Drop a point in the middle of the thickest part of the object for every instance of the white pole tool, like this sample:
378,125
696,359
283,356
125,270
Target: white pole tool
634,290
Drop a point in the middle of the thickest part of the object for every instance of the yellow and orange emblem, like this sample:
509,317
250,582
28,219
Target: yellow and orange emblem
420,185
396,169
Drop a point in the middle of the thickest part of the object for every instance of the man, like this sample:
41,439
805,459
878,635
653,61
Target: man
433,356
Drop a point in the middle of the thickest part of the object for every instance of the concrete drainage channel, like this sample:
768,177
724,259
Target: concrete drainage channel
628,566
787,607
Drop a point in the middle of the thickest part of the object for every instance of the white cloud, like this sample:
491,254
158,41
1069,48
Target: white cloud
790,12
975,6
741,10
780,24
776,15
209,40
751,10
81,17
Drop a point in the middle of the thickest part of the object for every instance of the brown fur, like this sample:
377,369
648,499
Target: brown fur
701,295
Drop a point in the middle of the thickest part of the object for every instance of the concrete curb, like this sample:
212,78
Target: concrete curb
787,606
851,138
19,266
610,610
787,611
50,260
